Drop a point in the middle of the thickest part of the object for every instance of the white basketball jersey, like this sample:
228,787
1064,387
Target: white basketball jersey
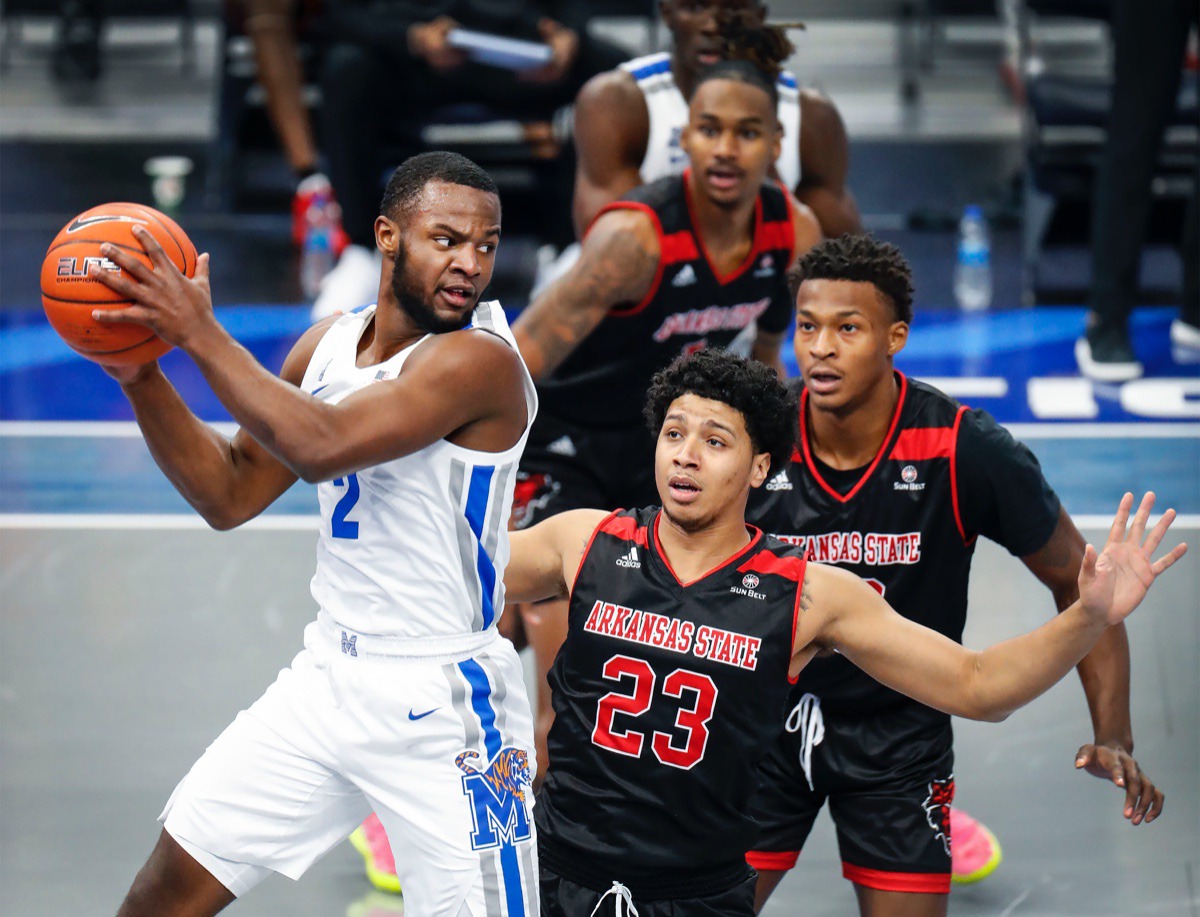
415,547
669,113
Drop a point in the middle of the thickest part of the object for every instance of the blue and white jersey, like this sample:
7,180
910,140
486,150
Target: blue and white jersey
669,113
416,547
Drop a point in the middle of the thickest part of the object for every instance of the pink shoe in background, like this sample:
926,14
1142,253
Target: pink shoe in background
975,852
371,841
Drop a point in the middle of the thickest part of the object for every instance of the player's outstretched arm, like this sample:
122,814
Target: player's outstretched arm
618,265
226,481
991,684
545,557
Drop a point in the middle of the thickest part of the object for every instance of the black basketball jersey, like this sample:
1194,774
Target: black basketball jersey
900,526
666,695
689,306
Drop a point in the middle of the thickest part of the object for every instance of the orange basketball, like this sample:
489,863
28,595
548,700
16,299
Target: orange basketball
69,295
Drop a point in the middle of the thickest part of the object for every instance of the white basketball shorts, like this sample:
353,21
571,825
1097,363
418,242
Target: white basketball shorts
439,746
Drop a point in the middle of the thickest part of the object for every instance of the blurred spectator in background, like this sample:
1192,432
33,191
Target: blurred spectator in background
271,26
76,54
1150,37
393,61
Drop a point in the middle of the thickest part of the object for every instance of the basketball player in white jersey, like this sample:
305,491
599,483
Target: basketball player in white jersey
411,416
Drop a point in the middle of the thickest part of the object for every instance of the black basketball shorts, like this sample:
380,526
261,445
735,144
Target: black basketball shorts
889,780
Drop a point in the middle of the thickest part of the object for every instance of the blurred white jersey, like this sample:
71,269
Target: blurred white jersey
414,548
669,113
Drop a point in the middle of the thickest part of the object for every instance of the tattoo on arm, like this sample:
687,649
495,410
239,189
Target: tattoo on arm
615,268
806,599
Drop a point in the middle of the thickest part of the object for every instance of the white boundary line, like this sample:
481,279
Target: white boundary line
114,521
281,523
126,429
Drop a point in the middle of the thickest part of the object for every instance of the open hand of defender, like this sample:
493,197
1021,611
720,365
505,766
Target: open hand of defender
172,306
1112,585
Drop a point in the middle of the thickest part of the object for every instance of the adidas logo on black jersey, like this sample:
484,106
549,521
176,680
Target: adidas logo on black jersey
780,482
630,560
685,278
564,445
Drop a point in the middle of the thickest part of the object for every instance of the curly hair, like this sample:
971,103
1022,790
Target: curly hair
747,386
411,176
859,258
751,51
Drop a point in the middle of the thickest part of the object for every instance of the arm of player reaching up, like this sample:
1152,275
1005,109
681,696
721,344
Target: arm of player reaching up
1104,673
989,685
768,344
824,165
545,557
464,385
226,481
618,265
612,128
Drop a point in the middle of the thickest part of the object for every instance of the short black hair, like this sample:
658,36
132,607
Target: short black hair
860,258
412,175
747,386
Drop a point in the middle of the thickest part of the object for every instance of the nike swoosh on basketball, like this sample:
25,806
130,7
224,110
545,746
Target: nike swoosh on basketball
421,716
84,222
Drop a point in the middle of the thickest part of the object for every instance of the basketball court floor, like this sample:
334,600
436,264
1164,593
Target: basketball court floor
130,634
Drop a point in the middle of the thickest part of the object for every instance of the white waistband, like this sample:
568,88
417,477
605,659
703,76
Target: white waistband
451,648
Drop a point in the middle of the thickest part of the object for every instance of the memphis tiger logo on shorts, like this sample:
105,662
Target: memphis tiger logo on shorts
498,795
937,808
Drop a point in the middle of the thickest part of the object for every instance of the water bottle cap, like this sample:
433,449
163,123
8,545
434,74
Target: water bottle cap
973,211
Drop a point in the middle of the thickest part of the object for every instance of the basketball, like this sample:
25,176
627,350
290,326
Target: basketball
69,296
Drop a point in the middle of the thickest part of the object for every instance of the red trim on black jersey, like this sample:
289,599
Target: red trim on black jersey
658,272
755,537
754,250
931,883
766,561
623,527
918,444
954,479
588,547
678,246
782,860
812,466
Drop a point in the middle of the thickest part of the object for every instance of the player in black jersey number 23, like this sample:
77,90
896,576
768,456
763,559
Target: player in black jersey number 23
685,626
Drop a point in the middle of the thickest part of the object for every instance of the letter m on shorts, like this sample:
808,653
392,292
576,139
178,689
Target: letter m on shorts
499,814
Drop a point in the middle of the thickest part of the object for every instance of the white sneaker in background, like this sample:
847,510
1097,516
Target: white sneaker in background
353,282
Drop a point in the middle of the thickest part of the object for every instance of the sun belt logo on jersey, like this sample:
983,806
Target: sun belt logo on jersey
749,580
937,808
685,278
908,474
630,560
766,267
497,797
780,482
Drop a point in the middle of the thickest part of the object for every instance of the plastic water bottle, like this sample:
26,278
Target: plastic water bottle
316,258
973,272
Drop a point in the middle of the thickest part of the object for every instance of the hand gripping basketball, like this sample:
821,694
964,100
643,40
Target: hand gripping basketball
1112,585
173,306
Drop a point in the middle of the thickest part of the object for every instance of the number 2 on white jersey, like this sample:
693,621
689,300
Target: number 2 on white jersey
339,525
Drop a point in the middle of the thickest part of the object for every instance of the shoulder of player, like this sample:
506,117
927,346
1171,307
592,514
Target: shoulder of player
613,103
624,228
614,93
824,146
817,110
298,358
476,360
